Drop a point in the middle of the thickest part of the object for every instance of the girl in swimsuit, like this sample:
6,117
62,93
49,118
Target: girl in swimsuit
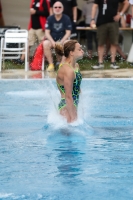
69,78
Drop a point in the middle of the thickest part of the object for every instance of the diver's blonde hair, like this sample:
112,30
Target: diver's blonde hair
64,50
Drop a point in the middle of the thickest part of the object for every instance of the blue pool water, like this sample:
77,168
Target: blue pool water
41,157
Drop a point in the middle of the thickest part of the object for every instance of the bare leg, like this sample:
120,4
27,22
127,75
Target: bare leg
65,114
113,52
107,48
100,53
120,52
23,56
47,46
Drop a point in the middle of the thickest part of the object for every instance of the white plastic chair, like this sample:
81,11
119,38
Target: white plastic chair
19,37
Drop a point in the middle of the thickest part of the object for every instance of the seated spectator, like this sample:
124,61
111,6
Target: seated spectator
58,28
70,9
86,10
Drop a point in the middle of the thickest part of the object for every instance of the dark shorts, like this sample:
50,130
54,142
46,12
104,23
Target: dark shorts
108,31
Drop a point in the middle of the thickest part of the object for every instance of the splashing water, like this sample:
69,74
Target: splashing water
57,121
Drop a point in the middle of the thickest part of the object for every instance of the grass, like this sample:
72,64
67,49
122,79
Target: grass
85,64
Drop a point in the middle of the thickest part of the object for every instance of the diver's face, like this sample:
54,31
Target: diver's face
78,52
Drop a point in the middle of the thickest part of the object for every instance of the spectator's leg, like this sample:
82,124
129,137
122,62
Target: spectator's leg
95,39
40,35
89,36
100,64
120,52
100,53
47,46
107,49
101,38
22,58
113,37
102,34
113,52
113,30
32,39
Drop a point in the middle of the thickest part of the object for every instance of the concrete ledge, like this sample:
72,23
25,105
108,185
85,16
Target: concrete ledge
21,74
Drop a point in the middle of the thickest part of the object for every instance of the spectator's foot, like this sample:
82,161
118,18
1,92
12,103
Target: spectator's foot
18,61
98,66
114,66
50,68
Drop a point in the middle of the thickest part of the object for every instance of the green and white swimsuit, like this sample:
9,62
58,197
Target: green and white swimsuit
75,91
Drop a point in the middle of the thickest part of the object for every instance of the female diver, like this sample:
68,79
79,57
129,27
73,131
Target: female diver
69,78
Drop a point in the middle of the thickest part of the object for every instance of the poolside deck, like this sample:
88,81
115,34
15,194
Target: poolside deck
21,74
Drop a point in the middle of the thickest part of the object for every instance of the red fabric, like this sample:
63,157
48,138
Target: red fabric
42,18
36,63
128,18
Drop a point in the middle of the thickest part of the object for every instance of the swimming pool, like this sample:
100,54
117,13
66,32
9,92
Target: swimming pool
42,157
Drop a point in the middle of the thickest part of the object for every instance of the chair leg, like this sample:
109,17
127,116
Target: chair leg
26,58
0,62
26,63
43,63
3,62
26,66
1,55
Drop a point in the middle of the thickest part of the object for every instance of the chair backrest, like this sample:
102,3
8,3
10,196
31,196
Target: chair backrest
4,28
16,36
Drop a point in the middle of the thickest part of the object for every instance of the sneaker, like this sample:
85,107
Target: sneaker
98,66
114,66
50,68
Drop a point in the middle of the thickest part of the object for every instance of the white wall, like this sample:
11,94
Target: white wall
16,12
80,3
